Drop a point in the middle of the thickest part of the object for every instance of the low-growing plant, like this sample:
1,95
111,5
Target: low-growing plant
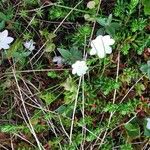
74,74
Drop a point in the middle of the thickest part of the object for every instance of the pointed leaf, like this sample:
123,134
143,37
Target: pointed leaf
146,69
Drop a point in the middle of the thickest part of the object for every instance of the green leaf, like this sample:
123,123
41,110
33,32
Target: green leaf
125,49
16,46
109,20
65,53
110,30
146,4
133,130
70,56
108,26
130,127
115,25
48,98
139,87
3,17
146,69
69,85
19,56
52,74
61,109
50,47
146,131
147,10
101,31
2,25
10,128
134,3
126,147
102,21
65,110
76,54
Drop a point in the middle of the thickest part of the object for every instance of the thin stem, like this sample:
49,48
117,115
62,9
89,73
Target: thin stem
74,110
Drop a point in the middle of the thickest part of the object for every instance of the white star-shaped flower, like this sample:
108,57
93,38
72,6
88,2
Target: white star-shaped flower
102,46
79,68
58,60
29,45
5,40
148,123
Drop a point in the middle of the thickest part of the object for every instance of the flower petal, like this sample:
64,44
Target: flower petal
97,44
73,71
4,46
31,48
8,40
108,50
29,45
148,125
79,68
74,65
93,51
107,40
80,73
3,34
101,53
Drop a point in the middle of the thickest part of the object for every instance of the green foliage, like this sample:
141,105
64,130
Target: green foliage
131,33
146,4
146,131
14,48
49,37
91,137
23,13
128,75
52,74
133,130
31,2
48,98
125,49
78,38
108,26
57,13
124,8
141,43
61,10
139,87
70,90
17,52
65,110
5,17
146,69
126,147
123,108
10,128
70,56
106,85
119,10
132,5
27,36
138,24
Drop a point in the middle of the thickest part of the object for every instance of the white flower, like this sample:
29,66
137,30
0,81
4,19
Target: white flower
29,45
148,123
91,4
102,46
5,40
59,60
79,68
